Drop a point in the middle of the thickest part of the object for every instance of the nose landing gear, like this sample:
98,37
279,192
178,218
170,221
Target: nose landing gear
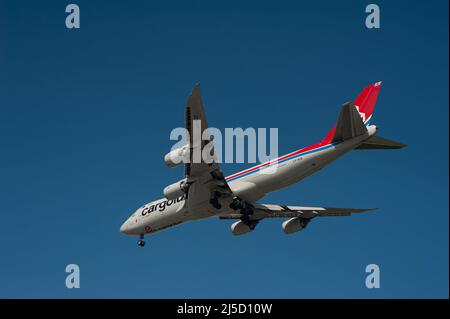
141,242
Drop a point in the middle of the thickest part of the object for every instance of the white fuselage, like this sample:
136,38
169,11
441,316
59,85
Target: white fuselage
251,184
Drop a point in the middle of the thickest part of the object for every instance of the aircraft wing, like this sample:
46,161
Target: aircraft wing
203,175
273,211
196,124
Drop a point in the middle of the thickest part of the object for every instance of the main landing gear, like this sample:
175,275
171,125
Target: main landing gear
246,211
214,201
249,222
236,204
141,242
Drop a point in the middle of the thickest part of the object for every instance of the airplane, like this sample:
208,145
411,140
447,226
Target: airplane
206,192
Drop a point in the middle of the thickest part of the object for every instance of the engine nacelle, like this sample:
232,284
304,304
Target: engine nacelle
239,228
176,156
176,190
293,225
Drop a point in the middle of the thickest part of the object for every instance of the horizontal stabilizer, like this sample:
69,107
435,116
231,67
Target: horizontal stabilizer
379,143
349,124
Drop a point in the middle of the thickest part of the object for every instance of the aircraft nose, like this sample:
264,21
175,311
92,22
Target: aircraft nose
124,227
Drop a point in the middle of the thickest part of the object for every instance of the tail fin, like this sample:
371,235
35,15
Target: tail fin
365,102
347,125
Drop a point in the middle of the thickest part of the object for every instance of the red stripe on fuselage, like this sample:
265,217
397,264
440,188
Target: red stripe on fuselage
324,142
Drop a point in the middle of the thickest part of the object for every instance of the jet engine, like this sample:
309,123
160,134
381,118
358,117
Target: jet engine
176,156
239,228
176,190
293,225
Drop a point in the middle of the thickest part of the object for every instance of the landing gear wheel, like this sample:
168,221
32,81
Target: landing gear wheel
236,204
214,201
246,220
250,223
141,243
246,212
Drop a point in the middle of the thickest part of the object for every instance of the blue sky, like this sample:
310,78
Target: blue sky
85,122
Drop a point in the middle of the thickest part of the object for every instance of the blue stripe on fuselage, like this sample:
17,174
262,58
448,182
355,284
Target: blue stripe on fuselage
284,160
